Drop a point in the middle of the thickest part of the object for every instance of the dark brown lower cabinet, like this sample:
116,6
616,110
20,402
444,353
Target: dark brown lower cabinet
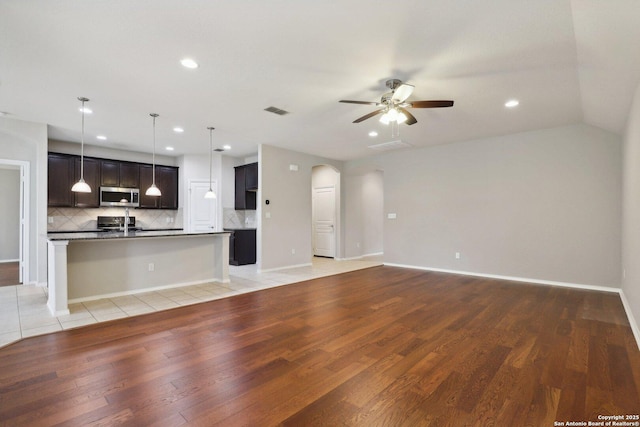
242,246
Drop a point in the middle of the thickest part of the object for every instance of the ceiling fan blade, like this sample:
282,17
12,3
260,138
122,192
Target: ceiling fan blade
410,118
431,104
358,102
402,92
368,116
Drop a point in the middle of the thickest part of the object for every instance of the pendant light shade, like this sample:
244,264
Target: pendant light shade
81,186
153,190
210,194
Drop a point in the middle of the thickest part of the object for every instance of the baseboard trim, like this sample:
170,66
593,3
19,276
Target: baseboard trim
631,318
623,298
286,267
511,278
140,291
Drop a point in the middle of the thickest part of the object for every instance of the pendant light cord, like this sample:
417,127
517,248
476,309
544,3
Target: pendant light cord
153,179
82,144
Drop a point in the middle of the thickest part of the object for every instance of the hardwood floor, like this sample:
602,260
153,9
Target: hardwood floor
9,274
377,347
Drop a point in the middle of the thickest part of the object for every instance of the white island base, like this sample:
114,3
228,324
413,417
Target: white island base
91,266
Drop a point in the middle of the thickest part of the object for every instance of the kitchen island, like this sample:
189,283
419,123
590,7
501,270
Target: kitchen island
93,265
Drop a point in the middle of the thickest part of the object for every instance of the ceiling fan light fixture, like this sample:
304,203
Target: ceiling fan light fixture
393,115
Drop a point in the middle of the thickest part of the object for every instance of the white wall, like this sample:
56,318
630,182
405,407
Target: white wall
364,212
9,214
27,141
543,205
194,167
289,194
631,211
229,181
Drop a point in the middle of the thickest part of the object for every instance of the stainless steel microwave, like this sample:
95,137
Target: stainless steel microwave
117,196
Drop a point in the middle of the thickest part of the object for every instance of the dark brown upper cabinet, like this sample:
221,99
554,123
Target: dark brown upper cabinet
60,179
246,185
114,173
64,171
166,181
251,177
91,177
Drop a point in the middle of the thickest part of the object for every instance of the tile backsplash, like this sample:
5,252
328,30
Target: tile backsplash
239,219
75,219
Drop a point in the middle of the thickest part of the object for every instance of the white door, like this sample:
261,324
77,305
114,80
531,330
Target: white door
202,212
324,219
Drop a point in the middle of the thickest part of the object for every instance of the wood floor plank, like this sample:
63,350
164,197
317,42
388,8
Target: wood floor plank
381,346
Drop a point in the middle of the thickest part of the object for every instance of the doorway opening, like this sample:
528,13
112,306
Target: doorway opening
14,214
325,208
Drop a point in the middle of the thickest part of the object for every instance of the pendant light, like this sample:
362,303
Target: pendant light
153,190
210,194
81,186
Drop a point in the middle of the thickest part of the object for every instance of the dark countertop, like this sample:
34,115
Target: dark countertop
239,229
108,235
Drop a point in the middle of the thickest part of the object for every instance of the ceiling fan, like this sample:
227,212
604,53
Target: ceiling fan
394,104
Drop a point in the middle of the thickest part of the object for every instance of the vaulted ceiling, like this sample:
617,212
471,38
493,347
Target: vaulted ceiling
565,61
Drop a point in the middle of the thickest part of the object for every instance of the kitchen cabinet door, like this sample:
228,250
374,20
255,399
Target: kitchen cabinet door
167,182
244,199
91,177
130,175
251,177
60,180
146,177
109,173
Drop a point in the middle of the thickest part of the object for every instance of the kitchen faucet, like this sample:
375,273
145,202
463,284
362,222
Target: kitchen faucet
126,221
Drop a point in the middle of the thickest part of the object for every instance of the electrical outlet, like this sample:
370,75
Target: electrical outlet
391,216
293,251
152,266
457,255
358,245
50,219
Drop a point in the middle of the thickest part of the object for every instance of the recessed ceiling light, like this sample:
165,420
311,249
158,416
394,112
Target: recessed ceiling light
178,129
189,63
373,133
101,137
226,147
512,103
85,110
168,148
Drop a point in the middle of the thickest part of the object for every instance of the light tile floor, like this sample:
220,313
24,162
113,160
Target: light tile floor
24,313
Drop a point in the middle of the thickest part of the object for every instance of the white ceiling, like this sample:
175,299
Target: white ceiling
566,61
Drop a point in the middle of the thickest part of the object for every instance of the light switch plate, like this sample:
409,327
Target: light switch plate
391,216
